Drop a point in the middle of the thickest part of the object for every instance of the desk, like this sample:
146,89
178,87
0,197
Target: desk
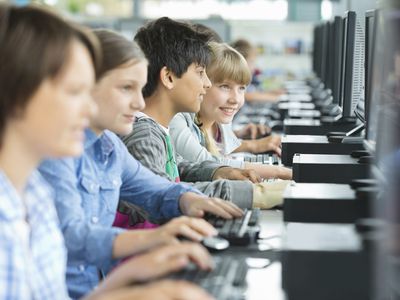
265,284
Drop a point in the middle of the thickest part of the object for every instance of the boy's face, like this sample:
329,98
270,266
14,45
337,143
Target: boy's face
223,101
119,97
54,120
189,90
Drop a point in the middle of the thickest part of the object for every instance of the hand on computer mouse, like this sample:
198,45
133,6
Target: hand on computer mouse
215,243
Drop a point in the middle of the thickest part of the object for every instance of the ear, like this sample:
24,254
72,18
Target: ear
167,78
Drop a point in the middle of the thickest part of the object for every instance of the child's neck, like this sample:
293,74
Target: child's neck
17,160
160,108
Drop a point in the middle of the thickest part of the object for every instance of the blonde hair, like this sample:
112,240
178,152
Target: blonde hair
226,64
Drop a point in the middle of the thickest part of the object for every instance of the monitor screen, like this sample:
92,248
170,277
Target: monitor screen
352,79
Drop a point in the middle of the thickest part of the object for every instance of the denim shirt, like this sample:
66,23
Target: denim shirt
87,191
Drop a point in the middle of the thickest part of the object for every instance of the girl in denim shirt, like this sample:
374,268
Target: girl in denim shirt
88,188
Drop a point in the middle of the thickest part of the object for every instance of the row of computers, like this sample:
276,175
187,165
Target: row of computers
342,213
341,136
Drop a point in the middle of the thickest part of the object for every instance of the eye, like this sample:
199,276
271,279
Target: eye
224,87
242,88
201,72
126,88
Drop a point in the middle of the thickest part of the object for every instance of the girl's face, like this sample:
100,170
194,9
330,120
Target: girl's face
54,120
119,97
223,101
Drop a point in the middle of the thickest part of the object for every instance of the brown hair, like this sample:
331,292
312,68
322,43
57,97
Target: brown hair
35,44
244,47
117,50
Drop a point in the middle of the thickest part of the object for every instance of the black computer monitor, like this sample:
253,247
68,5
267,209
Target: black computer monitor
352,79
370,40
337,58
374,81
316,51
329,55
324,52
319,50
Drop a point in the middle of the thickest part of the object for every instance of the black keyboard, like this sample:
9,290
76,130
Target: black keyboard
226,281
240,231
268,159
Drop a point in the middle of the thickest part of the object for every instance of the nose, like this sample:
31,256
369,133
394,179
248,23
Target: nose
234,96
207,82
137,102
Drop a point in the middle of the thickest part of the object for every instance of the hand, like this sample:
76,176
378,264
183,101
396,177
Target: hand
192,228
269,143
236,174
253,131
285,173
268,171
131,242
269,194
195,205
160,290
156,263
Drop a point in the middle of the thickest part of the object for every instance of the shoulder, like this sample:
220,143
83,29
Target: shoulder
143,129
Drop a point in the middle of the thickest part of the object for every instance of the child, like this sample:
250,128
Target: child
177,82
45,106
89,187
250,130
210,136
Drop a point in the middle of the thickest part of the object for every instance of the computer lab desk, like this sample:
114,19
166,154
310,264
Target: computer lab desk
264,282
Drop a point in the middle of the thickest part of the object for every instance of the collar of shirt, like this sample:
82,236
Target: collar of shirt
11,203
102,144
143,115
11,206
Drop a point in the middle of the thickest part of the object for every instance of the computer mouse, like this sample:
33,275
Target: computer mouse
215,243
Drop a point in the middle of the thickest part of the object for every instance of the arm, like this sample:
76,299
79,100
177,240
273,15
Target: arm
269,143
188,146
186,143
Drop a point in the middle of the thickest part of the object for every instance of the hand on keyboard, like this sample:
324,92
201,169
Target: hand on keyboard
195,205
229,273
159,262
239,231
